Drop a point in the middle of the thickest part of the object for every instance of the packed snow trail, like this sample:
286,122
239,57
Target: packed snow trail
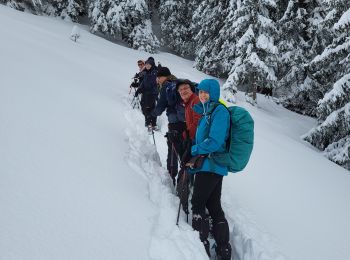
168,240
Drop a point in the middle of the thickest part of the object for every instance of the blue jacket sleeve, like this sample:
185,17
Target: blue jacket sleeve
162,103
218,132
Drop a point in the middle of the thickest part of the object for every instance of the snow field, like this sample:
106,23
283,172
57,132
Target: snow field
78,169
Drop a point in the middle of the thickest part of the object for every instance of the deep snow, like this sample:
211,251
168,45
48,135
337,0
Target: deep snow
78,179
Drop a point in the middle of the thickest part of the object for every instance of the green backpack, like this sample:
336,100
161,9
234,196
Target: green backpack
239,144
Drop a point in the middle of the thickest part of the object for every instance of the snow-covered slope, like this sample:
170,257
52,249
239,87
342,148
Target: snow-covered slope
79,179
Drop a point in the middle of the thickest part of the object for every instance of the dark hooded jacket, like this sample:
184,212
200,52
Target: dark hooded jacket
149,83
167,101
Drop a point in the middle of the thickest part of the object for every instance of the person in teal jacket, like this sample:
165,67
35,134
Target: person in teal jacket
212,133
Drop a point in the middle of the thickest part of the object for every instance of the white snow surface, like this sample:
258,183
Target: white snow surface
344,20
80,177
339,89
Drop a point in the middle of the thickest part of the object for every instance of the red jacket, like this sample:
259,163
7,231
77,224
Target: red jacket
192,117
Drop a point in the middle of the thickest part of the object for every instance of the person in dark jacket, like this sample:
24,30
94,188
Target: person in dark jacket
170,101
149,91
212,133
137,79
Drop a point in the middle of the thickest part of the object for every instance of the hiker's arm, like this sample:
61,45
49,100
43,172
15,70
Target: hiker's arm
217,132
161,104
192,127
140,89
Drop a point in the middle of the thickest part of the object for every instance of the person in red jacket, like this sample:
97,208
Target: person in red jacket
189,98
187,92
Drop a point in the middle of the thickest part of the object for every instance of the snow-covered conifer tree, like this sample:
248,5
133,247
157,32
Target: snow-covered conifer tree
208,19
75,34
292,45
332,69
306,89
126,19
142,37
176,18
33,6
255,54
67,9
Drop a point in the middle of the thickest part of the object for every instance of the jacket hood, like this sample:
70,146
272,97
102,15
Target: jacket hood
151,62
211,86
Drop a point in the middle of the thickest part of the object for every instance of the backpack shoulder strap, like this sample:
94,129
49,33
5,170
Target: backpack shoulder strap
228,141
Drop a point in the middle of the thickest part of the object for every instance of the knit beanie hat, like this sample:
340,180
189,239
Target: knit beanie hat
163,71
185,81
151,62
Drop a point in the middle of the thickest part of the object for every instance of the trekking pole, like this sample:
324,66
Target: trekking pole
138,102
181,197
132,103
135,101
172,163
177,155
154,140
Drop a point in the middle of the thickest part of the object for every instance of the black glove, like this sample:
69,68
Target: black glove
134,85
196,161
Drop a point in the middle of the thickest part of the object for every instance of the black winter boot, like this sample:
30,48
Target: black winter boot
207,246
224,252
202,225
222,238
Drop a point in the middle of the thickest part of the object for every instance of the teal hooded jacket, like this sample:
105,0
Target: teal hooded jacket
213,128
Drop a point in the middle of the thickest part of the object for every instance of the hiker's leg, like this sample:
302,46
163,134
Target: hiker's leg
220,226
202,189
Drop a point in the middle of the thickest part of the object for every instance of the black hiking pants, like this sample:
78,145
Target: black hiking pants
207,194
148,103
175,147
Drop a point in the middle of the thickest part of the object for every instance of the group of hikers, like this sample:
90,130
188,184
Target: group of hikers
198,125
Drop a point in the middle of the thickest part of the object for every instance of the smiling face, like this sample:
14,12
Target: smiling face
148,66
185,92
203,96
140,65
